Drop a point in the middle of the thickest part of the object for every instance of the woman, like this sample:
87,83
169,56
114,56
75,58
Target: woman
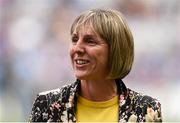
102,54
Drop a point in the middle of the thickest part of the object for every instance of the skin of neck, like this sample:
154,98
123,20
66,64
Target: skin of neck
101,90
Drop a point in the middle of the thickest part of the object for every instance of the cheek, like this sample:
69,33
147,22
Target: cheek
71,51
103,54
101,59
104,58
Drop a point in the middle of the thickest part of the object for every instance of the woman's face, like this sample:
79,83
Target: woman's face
89,55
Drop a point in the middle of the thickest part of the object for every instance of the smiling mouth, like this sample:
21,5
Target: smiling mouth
81,62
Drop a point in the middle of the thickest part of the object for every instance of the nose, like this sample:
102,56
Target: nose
79,47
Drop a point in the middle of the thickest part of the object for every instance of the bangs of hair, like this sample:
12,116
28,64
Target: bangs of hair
82,21
96,19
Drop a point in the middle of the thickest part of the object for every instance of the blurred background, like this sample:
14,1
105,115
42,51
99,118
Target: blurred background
34,45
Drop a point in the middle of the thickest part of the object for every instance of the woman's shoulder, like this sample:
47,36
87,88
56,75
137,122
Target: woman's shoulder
55,91
141,99
49,101
145,105
59,92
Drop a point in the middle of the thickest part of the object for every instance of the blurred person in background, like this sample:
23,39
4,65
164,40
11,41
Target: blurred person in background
102,54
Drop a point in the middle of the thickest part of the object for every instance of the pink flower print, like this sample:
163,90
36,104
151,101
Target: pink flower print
56,105
150,116
122,100
150,110
71,101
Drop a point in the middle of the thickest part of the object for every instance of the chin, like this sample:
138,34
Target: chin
81,76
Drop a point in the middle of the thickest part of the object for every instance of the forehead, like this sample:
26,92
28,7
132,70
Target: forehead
85,29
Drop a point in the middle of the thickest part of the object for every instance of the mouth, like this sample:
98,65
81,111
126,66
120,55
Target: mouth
81,61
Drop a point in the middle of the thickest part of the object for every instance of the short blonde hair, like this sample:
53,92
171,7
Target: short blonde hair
112,27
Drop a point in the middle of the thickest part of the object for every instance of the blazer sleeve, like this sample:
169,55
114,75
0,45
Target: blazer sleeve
39,111
154,113
143,108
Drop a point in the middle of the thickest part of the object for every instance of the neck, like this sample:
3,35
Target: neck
101,90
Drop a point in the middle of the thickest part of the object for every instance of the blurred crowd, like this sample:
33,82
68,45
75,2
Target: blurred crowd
34,45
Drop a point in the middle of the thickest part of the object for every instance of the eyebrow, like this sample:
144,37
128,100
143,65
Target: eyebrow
90,36
86,35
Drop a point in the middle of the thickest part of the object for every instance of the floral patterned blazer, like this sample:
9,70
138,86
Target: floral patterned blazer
60,105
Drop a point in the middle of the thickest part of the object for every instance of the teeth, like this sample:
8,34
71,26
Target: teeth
81,61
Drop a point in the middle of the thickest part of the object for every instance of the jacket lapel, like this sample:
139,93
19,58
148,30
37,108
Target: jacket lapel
124,101
72,101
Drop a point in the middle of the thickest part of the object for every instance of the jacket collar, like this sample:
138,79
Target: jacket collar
122,91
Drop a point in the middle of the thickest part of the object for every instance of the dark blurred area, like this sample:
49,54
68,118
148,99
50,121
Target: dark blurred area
34,45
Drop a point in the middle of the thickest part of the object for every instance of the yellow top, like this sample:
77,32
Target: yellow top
91,111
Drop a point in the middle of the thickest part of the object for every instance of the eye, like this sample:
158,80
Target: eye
74,39
90,41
